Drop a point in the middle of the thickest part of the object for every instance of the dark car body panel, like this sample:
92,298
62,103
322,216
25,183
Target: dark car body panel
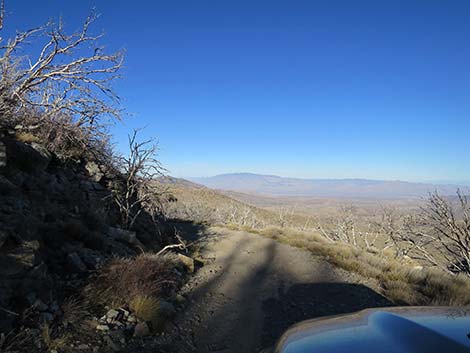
387,330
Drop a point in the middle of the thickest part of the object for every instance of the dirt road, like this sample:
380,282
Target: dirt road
252,288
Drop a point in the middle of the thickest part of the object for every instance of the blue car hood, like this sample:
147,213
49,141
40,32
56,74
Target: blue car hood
388,330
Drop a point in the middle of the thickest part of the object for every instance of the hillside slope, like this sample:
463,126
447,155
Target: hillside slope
193,202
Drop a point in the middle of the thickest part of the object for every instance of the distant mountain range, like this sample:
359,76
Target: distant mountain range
169,180
272,185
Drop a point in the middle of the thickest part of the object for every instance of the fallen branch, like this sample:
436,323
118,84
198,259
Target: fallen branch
181,245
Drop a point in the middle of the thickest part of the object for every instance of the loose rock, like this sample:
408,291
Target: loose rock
166,309
116,347
187,262
102,327
141,329
75,262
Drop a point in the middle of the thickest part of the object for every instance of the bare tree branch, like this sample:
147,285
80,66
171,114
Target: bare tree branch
137,191
63,93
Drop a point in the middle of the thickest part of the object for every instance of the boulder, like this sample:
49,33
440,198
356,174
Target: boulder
92,259
112,344
113,315
75,263
7,187
124,236
28,158
179,299
3,238
102,327
141,329
43,152
3,154
21,260
186,262
166,309
94,171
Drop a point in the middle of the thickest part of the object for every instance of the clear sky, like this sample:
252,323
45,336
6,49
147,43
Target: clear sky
330,89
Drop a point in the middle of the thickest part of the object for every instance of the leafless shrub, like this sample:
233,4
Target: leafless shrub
395,227
366,235
345,229
438,236
283,214
441,237
198,208
136,190
62,94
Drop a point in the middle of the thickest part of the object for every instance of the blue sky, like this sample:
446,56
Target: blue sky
329,89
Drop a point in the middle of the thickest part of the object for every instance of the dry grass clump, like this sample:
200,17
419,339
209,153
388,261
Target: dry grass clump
138,283
400,282
52,340
14,342
123,280
75,314
146,308
294,234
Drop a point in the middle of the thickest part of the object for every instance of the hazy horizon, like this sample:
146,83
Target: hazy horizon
276,186
436,182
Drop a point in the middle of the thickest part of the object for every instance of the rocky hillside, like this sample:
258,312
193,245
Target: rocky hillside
61,243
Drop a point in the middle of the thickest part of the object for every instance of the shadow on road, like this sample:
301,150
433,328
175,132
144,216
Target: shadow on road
312,300
254,290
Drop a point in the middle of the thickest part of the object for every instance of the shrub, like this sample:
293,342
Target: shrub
136,192
122,280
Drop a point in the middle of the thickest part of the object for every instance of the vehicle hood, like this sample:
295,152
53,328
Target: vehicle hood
387,330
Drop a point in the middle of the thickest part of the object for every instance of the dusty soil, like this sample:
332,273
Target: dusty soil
252,288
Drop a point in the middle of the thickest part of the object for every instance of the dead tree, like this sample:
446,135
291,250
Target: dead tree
232,212
137,191
63,93
448,237
245,216
345,229
395,227
283,215
438,236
